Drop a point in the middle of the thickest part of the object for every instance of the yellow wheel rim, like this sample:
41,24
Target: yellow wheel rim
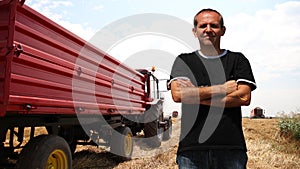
57,160
128,144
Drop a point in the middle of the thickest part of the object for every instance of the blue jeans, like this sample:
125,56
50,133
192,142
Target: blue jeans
212,159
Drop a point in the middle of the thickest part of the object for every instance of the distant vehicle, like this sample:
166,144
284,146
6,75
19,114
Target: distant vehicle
257,112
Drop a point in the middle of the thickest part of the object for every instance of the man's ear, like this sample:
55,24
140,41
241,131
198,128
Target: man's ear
194,30
223,30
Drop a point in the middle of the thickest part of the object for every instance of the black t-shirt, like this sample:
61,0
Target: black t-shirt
206,127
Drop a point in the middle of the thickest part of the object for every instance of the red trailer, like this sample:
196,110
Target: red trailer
52,78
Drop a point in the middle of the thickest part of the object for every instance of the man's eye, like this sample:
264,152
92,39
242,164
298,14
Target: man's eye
214,26
203,26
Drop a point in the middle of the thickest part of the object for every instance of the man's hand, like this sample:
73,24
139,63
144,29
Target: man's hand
184,83
181,89
230,86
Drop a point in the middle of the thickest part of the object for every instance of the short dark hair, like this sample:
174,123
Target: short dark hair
208,10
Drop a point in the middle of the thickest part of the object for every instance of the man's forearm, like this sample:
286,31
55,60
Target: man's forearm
186,92
194,95
241,97
223,102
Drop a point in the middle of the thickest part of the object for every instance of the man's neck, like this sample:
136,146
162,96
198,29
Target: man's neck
211,51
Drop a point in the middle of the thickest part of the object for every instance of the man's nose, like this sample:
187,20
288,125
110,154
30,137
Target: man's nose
208,28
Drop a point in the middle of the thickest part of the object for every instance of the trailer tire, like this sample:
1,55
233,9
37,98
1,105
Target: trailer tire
121,142
152,130
45,151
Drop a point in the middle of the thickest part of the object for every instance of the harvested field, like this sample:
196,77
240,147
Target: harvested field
266,150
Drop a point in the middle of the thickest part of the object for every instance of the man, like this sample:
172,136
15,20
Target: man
212,84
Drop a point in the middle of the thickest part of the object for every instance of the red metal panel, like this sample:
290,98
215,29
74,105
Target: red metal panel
56,104
57,72
7,16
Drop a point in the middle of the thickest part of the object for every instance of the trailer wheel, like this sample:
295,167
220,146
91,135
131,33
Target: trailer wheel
168,132
122,142
153,131
46,151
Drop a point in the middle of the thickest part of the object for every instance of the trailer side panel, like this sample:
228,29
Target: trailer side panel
53,71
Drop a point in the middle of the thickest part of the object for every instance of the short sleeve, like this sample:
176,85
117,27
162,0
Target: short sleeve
179,70
243,73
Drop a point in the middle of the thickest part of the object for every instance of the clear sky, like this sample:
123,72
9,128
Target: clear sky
267,32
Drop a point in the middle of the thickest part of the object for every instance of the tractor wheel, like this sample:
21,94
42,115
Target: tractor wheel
152,130
121,142
168,132
46,151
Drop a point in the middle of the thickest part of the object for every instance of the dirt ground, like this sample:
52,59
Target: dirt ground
266,150
143,156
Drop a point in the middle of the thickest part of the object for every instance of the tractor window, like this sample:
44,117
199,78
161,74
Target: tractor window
153,86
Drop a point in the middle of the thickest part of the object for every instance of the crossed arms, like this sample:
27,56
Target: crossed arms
229,94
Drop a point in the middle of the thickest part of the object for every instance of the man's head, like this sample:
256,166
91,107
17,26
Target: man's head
208,28
208,10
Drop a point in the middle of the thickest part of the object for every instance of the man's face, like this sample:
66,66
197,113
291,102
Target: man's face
208,29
